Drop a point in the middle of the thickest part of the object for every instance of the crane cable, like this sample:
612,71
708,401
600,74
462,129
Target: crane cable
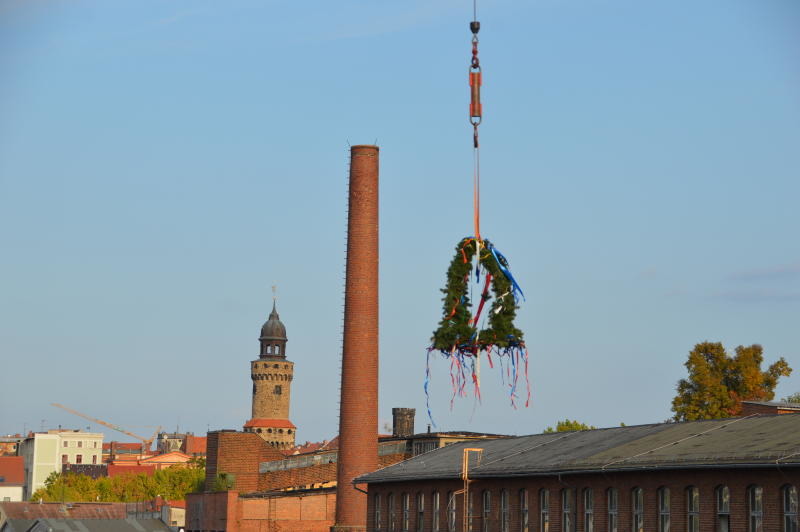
475,118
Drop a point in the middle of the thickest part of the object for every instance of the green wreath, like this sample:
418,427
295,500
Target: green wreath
455,330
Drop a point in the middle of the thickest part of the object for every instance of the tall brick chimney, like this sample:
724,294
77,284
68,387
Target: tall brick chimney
358,407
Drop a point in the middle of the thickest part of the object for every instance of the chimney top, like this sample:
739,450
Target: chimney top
403,422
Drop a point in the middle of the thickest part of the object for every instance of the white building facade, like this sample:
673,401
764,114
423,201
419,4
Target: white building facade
45,453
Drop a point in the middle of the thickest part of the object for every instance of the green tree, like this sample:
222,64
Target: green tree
794,398
569,425
718,383
224,482
172,483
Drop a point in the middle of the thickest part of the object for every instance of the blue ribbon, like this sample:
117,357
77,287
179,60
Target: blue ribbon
501,262
427,381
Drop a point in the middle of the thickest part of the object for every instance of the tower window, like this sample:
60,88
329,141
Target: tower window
278,390
275,366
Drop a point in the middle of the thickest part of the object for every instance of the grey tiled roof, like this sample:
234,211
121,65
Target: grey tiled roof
754,441
99,525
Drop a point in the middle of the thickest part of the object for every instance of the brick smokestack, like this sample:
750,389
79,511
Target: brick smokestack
358,408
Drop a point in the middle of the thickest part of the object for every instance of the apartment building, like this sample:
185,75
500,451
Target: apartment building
45,452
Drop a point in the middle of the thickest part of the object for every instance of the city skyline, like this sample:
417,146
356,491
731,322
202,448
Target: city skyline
163,166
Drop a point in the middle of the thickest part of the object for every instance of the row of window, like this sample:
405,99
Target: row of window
80,444
270,377
276,431
393,517
78,459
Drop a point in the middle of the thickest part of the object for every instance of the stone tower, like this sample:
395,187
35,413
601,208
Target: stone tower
272,383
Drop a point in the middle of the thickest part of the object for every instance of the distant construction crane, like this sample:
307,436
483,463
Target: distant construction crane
146,442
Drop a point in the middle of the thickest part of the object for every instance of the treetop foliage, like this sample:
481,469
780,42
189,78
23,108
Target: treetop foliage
718,383
569,425
173,483
794,398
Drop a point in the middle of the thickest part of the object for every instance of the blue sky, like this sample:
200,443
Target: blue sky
162,164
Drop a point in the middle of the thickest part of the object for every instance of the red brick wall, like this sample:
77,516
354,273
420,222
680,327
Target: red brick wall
358,414
298,477
310,512
750,409
237,453
290,513
317,474
212,511
677,481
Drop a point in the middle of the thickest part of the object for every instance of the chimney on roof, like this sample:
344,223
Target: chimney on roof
403,422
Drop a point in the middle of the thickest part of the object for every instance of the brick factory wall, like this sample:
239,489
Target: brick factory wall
307,476
211,511
307,512
737,481
237,453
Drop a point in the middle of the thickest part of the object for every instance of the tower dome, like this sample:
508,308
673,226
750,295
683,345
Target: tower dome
273,329
273,336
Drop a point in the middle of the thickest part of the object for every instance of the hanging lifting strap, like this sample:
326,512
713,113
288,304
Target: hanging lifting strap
475,107
475,118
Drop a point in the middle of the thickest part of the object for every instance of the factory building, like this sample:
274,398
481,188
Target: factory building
737,474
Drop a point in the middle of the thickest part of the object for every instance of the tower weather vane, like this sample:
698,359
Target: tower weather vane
462,336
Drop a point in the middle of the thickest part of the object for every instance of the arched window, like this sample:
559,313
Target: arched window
451,511
693,509
588,510
392,509
523,511
376,509
420,511
486,510
723,500
505,517
435,509
568,510
755,509
612,495
663,509
637,510
406,512
544,510
790,521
